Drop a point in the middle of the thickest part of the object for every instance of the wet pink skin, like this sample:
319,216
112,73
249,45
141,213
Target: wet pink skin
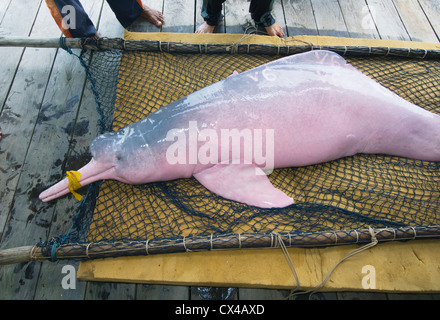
319,107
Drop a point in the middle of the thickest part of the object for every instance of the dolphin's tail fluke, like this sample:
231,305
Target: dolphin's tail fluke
91,172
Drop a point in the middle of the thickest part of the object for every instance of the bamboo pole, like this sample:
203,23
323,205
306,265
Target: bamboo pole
85,251
63,42
39,42
197,48
20,254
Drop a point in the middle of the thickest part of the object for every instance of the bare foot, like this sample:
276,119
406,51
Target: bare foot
205,28
153,16
275,30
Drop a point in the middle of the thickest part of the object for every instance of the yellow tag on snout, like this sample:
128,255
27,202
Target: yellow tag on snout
74,177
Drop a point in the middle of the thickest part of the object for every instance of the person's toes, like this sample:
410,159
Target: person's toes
153,16
205,28
275,30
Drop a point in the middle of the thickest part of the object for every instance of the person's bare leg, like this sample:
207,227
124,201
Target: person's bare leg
205,28
153,16
275,30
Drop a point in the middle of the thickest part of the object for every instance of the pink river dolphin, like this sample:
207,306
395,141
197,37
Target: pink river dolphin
299,110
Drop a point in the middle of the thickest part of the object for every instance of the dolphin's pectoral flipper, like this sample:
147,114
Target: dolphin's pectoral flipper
243,183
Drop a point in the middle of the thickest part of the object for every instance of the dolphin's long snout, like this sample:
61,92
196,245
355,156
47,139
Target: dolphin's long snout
91,172
57,190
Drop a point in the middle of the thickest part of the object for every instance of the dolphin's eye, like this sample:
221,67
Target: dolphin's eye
119,156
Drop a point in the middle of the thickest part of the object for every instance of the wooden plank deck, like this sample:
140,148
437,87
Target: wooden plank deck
48,118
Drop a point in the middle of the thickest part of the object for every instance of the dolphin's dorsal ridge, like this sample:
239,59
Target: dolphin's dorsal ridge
322,57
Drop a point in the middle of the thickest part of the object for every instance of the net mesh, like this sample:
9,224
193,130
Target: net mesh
356,192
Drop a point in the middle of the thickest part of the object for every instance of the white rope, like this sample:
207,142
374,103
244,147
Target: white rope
211,240
184,245
279,241
87,249
373,242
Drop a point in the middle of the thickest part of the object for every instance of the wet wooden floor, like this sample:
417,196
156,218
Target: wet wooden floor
48,119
